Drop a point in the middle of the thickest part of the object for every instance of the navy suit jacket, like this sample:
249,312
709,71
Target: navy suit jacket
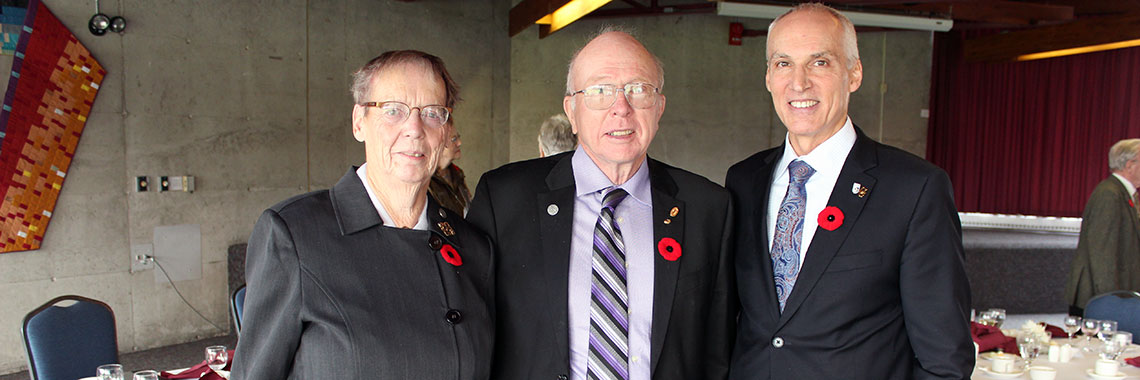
883,296
694,299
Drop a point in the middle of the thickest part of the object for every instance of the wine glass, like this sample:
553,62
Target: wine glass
998,316
1072,325
1107,328
1089,327
216,357
1029,347
109,372
146,375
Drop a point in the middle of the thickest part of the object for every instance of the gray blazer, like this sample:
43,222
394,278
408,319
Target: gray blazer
333,294
1108,251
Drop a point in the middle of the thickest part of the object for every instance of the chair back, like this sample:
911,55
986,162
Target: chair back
69,342
237,306
1121,306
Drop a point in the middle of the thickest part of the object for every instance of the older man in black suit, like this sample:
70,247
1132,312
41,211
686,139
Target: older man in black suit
611,265
849,252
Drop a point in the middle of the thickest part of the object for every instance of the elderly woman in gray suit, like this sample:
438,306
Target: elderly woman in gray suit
372,279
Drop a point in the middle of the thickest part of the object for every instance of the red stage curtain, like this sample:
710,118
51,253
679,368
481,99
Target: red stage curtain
1029,137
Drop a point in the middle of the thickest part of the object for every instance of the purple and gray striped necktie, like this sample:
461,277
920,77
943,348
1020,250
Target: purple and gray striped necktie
609,306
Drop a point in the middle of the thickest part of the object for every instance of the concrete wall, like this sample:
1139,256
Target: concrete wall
718,111
251,97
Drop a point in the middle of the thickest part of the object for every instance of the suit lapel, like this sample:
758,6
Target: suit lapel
556,231
762,182
354,210
825,244
665,272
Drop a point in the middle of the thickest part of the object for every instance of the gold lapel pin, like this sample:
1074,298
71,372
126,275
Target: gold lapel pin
446,228
863,191
667,221
674,211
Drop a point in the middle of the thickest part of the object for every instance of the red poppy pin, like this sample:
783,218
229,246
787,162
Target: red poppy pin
450,255
669,249
830,218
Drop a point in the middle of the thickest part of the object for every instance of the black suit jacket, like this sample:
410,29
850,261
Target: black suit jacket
694,300
334,294
883,296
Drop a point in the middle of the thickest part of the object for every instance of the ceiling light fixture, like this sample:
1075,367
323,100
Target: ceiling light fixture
101,23
726,8
551,15
1079,50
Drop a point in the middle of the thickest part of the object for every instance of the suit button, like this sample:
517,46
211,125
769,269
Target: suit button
435,242
562,377
453,316
777,342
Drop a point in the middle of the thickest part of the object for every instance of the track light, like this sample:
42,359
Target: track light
101,23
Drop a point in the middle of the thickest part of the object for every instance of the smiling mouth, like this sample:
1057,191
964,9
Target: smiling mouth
803,103
620,133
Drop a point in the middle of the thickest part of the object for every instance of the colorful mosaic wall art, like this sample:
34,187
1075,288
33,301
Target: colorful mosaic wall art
53,85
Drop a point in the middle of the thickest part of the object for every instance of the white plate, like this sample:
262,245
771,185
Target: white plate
1002,375
990,355
1094,376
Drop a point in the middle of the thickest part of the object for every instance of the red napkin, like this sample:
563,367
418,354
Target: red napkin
1133,361
201,370
990,338
1055,331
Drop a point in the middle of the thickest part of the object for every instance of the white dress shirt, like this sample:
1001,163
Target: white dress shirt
634,216
827,159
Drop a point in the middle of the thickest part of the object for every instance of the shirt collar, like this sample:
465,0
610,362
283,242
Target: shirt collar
828,156
1127,184
421,224
588,178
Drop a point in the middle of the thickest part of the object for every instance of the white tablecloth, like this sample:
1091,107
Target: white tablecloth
1075,369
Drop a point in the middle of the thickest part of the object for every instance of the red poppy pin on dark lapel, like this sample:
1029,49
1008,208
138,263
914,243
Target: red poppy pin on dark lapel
669,249
450,255
830,218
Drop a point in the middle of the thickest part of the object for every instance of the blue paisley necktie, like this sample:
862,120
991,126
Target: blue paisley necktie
789,231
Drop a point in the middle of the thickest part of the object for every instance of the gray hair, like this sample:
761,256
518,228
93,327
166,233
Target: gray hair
362,78
850,43
556,135
1122,152
607,29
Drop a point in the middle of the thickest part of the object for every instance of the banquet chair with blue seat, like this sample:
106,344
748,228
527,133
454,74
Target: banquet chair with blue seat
69,342
237,306
1121,306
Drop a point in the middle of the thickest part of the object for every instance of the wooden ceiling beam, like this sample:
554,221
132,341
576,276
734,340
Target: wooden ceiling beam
1083,32
1004,12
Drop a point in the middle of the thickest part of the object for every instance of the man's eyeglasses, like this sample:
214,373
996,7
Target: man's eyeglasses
602,96
396,112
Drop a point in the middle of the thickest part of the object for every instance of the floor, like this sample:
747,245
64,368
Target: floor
162,358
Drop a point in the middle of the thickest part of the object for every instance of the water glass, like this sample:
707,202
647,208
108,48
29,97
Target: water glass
216,357
146,375
1030,347
1072,325
1089,327
1107,328
998,317
109,372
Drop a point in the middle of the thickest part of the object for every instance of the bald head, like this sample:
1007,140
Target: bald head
846,29
607,43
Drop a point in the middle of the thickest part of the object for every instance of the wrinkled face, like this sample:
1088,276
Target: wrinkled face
808,74
619,135
408,151
451,151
